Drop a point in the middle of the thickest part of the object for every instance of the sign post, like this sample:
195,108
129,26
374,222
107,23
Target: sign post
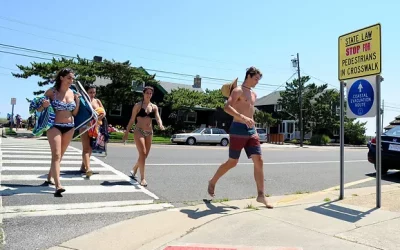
360,63
13,102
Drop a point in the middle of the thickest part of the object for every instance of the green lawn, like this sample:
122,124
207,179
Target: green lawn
117,137
9,131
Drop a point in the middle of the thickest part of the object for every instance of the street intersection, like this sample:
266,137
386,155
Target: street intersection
177,175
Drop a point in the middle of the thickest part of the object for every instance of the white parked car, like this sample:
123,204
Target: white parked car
262,133
202,135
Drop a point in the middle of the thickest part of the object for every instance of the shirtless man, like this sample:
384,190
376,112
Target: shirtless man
243,134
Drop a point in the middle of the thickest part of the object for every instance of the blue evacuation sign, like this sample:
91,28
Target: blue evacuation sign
361,97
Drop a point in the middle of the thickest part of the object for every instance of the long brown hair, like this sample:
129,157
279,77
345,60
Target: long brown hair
61,73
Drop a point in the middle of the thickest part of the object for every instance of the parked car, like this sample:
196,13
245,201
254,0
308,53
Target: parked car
390,156
262,133
202,135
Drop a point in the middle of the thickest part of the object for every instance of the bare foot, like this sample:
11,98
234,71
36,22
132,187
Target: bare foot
211,189
143,183
264,201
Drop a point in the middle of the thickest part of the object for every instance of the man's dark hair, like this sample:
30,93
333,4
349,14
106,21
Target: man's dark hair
252,71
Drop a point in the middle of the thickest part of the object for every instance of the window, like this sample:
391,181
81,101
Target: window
394,131
261,131
191,117
207,131
116,110
278,107
290,127
217,131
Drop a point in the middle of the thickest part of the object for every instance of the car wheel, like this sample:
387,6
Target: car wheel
224,142
384,168
191,141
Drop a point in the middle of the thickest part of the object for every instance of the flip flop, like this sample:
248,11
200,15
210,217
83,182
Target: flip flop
49,183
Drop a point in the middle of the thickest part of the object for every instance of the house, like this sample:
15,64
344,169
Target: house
193,118
394,123
269,104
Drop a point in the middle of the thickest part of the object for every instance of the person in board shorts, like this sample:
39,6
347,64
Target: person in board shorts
242,132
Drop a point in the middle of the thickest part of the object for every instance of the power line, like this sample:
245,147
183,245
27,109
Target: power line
146,58
113,43
59,55
17,54
320,80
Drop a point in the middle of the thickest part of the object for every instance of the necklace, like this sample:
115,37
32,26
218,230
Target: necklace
246,87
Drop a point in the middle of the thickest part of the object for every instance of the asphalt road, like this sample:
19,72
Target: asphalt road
177,175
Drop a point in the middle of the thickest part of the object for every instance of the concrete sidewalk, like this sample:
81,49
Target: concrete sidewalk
308,221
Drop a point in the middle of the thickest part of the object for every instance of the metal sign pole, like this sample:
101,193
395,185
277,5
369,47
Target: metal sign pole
378,159
342,84
12,117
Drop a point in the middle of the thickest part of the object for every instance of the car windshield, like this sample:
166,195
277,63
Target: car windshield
261,131
197,130
394,131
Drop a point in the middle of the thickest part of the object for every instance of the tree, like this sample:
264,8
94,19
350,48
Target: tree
324,113
354,132
264,118
290,100
121,75
183,98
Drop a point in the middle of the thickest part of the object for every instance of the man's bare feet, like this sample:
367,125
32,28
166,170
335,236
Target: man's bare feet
211,189
263,200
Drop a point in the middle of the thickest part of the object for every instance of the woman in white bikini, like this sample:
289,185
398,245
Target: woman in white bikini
143,112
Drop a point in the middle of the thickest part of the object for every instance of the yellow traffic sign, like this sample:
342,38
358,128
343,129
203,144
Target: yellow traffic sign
360,53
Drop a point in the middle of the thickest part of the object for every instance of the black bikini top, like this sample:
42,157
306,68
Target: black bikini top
142,112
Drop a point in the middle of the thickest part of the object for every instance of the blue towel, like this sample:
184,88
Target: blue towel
45,118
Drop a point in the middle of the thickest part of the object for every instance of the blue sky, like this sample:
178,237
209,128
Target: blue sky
210,38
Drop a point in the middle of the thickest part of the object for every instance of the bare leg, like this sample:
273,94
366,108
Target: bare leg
54,138
148,141
259,178
141,147
86,153
225,167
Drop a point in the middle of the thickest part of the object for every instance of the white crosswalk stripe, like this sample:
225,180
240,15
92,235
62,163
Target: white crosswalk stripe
24,165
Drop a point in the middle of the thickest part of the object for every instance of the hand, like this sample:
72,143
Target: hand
45,103
125,136
162,127
248,121
76,96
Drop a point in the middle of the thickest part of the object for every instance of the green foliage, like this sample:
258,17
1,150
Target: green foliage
165,133
188,99
121,75
290,100
324,113
320,139
354,132
264,118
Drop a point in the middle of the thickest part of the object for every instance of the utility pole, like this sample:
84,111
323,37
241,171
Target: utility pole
296,64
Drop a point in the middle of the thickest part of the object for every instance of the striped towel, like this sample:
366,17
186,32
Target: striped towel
45,119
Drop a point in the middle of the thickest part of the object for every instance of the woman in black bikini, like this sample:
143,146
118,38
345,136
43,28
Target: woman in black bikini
65,105
143,112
